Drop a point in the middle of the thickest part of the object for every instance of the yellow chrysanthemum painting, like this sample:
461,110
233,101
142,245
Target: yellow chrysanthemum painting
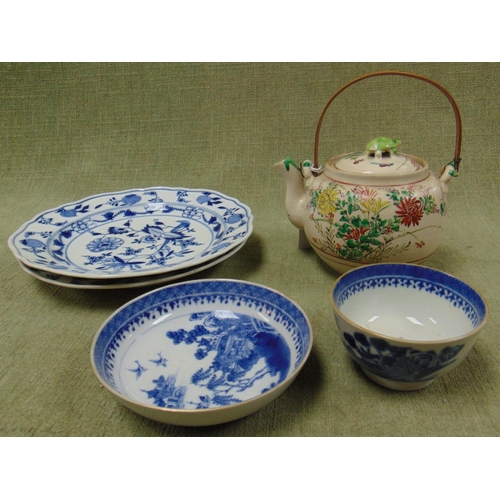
326,201
374,205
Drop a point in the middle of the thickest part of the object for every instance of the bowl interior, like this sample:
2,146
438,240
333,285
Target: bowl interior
409,302
201,344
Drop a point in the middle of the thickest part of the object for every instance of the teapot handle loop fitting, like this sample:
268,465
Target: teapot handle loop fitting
458,121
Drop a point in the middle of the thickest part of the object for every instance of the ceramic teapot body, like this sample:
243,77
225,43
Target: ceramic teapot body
371,206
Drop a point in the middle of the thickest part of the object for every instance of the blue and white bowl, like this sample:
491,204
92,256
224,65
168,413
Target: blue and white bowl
202,352
406,324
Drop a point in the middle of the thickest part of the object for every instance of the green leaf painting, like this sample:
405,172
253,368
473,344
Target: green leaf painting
351,223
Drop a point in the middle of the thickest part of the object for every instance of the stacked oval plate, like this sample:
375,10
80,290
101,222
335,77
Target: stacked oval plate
132,238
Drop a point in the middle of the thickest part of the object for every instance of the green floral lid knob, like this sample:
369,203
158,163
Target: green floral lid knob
382,145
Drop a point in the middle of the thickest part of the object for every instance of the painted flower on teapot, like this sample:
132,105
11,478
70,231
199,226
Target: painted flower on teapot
372,206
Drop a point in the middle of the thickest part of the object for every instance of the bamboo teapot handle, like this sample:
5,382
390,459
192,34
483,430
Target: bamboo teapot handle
458,121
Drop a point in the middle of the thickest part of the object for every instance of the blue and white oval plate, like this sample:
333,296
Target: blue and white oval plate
139,232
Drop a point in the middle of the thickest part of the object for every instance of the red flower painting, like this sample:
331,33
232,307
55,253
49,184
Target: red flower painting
410,211
356,233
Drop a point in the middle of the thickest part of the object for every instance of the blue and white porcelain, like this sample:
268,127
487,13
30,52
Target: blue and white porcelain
132,282
406,324
202,352
139,232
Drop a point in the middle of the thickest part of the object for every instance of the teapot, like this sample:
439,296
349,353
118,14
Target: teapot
374,205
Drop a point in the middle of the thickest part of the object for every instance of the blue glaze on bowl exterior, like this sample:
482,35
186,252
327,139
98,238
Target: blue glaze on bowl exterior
202,352
403,363
399,363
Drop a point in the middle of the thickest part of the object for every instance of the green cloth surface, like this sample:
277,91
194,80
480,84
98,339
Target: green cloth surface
68,131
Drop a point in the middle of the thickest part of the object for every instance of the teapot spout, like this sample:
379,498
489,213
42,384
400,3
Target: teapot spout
295,191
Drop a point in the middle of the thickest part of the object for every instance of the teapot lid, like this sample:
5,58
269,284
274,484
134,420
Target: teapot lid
379,158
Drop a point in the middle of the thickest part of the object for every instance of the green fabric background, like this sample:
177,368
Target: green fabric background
72,130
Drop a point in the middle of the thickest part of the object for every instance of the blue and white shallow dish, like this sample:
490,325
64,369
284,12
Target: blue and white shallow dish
406,324
202,352
139,232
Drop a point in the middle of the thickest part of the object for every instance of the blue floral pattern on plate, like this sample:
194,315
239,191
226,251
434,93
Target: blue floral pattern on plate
202,344
130,282
139,232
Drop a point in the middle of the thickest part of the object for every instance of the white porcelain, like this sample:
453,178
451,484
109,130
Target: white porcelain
139,232
202,352
406,324
372,205
133,282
